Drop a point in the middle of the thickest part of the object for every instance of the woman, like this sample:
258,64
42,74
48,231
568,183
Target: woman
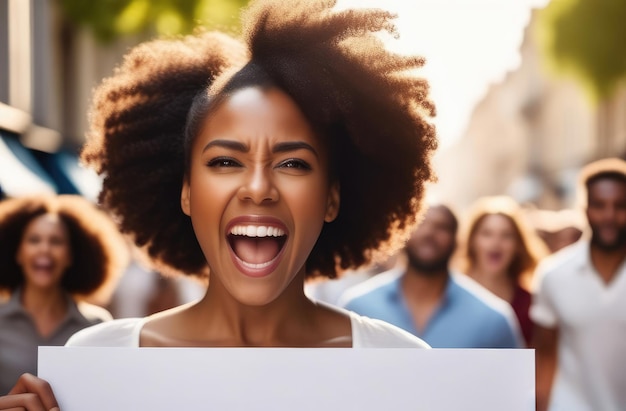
500,251
262,163
54,253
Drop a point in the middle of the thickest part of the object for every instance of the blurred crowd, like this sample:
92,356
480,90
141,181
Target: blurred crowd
508,276
499,275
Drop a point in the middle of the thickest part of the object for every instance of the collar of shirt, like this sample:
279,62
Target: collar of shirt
448,294
14,307
446,300
581,259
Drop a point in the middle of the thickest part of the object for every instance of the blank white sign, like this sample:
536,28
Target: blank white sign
166,379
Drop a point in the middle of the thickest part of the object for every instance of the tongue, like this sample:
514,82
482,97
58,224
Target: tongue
255,250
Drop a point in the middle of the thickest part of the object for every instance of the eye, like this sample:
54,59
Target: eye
32,239
220,162
294,163
57,241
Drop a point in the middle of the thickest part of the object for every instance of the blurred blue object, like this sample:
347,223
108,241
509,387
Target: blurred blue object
20,172
27,171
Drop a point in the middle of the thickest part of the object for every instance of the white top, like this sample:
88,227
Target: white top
366,333
591,319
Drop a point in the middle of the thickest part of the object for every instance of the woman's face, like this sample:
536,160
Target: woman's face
258,193
494,244
44,253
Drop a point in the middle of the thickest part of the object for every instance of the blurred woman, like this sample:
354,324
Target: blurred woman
500,251
54,252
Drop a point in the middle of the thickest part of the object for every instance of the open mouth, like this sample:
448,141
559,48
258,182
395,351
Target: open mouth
256,247
495,257
43,264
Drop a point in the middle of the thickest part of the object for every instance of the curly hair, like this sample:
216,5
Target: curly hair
360,98
531,247
99,252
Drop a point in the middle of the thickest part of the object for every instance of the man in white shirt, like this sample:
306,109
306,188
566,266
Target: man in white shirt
579,305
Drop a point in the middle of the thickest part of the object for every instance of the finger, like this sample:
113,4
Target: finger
14,409
28,383
24,402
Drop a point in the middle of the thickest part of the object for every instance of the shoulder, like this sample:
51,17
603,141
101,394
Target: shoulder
116,333
475,294
371,333
494,314
93,313
563,262
569,256
9,305
375,288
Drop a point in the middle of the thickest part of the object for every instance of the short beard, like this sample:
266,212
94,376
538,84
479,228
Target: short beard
429,269
619,243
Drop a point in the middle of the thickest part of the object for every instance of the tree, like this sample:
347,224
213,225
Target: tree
108,19
586,39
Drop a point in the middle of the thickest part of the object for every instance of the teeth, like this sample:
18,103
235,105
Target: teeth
256,266
43,262
257,231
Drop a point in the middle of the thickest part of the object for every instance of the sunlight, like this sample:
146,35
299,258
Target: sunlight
468,44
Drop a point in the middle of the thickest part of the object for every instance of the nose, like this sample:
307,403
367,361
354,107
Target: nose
258,187
609,214
44,246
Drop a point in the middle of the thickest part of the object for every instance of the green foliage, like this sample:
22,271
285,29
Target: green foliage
587,39
109,19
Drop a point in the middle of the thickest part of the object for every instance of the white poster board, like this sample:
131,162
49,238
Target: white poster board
232,379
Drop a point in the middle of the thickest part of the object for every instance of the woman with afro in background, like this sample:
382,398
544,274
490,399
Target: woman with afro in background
55,252
500,250
300,150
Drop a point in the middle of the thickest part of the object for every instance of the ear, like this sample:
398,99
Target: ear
184,197
332,204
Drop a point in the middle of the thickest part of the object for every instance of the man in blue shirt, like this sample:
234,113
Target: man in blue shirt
447,310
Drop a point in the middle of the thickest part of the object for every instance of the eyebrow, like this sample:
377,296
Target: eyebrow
283,147
230,144
293,146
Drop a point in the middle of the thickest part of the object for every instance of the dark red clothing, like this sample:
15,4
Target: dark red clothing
521,306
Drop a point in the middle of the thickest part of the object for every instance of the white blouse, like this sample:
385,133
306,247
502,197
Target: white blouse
366,333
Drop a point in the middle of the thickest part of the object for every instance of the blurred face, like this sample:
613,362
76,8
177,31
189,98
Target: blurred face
44,252
606,212
258,194
494,244
431,245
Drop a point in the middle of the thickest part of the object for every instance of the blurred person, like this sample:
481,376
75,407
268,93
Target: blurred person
330,290
143,291
579,304
557,229
445,309
55,252
500,251
259,162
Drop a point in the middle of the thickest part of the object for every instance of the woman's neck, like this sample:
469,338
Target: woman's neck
291,320
499,283
43,301
267,325
47,308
